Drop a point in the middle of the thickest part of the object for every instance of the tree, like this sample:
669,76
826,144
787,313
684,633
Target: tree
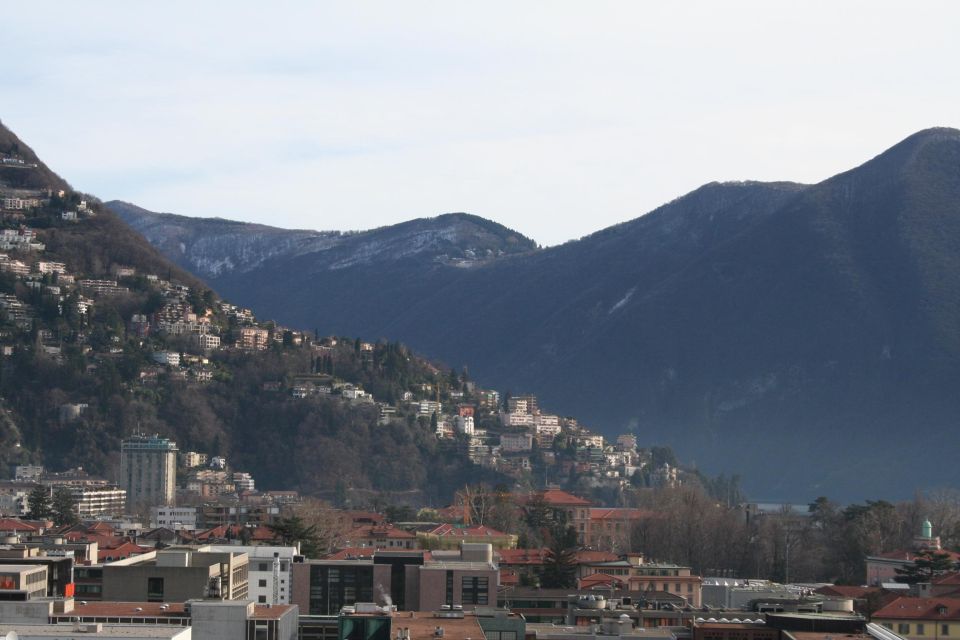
560,565
292,530
927,564
39,503
63,507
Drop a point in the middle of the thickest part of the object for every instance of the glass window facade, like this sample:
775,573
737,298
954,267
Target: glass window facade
332,588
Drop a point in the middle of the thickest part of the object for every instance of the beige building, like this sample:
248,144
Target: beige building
178,574
29,578
148,469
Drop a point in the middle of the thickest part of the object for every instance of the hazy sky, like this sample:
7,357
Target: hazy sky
554,118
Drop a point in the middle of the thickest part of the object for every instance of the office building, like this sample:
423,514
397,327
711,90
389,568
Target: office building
148,468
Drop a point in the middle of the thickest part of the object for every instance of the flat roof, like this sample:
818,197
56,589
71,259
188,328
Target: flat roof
109,631
423,624
102,609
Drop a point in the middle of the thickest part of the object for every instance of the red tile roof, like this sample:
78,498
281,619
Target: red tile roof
272,612
907,608
509,578
364,517
947,579
558,498
526,557
597,580
12,524
350,553
586,557
122,551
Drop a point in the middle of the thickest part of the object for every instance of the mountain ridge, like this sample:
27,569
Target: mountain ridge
738,319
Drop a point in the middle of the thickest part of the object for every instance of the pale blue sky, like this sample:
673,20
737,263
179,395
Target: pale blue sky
554,118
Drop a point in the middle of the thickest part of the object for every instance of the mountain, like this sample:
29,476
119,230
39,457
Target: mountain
806,337
99,339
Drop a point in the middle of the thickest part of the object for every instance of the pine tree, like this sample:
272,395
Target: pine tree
63,508
560,565
927,564
39,503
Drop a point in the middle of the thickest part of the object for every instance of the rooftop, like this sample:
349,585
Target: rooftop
423,625
109,631
921,609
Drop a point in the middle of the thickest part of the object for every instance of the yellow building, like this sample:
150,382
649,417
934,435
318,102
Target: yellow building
921,618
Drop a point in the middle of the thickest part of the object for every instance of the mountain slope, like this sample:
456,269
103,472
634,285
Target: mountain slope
100,335
805,336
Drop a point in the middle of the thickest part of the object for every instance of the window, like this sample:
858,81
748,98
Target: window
262,599
261,583
450,588
263,566
944,629
920,630
474,590
154,589
903,628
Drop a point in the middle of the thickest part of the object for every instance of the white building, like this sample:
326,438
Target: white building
206,341
175,518
510,442
148,470
261,571
93,501
465,425
517,419
351,392
429,407
27,472
547,424
243,481
44,266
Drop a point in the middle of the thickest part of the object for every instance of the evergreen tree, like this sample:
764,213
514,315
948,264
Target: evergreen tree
289,531
63,508
39,503
927,564
560,565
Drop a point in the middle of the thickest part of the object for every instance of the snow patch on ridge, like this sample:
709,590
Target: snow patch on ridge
624,300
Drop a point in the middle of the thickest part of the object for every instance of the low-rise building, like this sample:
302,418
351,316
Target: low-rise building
178,574
921,618
173,517
30,580
270,571
510,442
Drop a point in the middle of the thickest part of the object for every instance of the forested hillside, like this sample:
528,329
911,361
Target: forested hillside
102,337
800,335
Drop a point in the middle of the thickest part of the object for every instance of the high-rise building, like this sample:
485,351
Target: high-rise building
148,470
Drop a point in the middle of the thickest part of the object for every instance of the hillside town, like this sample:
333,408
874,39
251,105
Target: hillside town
376,495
